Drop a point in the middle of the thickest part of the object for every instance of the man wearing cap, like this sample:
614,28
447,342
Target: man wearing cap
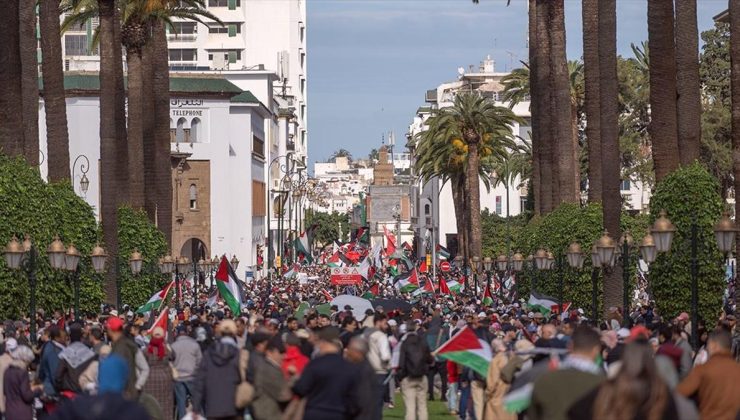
5,360
127,350
187,357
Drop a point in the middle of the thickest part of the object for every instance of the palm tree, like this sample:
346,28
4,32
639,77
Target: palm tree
11,121
663,109
591,81
609,124
562,114
55,105
689,94
735,93
475,125
541,86
535,116
29,81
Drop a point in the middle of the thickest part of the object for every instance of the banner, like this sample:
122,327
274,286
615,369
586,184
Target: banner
346,276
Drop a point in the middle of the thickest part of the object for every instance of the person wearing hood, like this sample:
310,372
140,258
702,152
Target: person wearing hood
73,361
5,360
18,392
218,376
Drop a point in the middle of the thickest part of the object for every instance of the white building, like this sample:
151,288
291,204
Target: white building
218,133
341,183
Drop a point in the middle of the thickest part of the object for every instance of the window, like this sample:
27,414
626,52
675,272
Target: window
193,197
229,28
498,205
427,209
184,28
258,146
625,185
194,130
75,44
183,54
180,131
230,56
231,4
258,199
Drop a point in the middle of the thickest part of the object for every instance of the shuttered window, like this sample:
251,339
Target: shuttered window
258,199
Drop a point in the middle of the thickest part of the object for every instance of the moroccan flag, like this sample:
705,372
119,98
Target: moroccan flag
390,246
328,296
228,286
302,247
442,252
407,282
541,303
161,322
468,350
487,297
372,292
157,299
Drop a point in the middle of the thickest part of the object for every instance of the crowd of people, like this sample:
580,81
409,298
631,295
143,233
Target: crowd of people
290,354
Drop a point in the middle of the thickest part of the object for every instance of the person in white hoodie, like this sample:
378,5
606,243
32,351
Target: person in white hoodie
379,355
5,360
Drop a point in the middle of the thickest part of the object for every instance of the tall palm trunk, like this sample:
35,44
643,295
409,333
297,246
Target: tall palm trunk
536,182
542,97
663,109
135,129
611,198
11,121
593,116
109,177
120,111
735,89
55,105
149,140
458,196
30,81
161,93
687,69
560,100
472,187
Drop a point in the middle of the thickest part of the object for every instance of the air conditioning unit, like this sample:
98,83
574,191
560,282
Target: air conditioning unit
219,61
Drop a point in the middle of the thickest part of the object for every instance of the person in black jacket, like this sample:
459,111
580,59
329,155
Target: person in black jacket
413,367
73,360
218,376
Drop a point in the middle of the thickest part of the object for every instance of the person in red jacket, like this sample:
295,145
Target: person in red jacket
294,361
453,374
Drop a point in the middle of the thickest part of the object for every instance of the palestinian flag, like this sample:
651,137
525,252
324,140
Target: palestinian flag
161,322
335,260
541,303
324,309
443,288
228,286
487,297
429,287
423,266
372,292
156,301
300,311
407,282
519,399
363,234
302,247
467,349
442,252
390,246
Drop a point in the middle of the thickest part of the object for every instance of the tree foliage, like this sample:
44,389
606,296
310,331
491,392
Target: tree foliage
689,195
136,232
31,206
329,227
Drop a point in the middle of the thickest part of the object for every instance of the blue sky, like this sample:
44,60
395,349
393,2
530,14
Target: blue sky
371,61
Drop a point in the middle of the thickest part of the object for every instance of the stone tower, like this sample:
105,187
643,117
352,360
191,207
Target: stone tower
383,170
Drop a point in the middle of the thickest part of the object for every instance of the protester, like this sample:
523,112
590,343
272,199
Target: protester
379,355
367,390
414,362
714,384
18,391
159,381
50,359
217,377
126,348
329,382
5,360
551,398
496,388
271,388
186,359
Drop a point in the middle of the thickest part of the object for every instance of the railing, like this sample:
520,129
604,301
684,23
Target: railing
185,136
182,37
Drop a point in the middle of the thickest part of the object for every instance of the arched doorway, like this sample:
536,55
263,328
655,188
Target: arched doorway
194,249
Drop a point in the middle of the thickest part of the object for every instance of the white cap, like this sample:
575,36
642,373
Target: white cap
623,333
11,344
392,322
482,315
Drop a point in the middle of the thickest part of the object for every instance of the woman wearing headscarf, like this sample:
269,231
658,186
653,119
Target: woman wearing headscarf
159,384
19,393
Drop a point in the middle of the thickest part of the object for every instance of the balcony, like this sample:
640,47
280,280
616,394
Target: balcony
182,37
185,137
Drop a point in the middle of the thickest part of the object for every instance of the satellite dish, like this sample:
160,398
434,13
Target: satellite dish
461,70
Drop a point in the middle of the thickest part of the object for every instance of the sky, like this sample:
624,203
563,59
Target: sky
370,62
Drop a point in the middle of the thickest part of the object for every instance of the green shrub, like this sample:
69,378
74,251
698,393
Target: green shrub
688,195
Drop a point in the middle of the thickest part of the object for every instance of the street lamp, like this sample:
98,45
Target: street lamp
182,266
648,249
502,263
626,241
517,262
56,253
487,263
71,262
663,231
606,248
99,258
135,262
725,232
475,263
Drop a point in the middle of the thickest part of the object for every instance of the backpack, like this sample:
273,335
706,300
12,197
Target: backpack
416,357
